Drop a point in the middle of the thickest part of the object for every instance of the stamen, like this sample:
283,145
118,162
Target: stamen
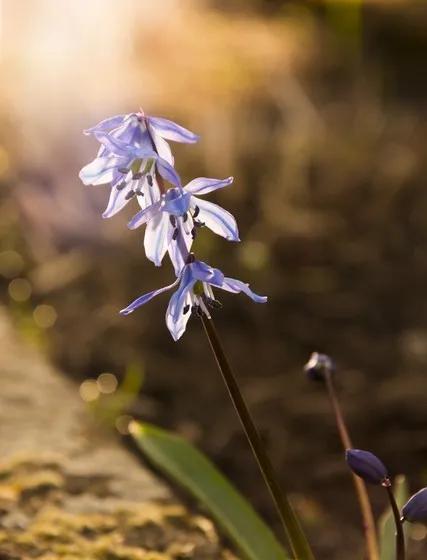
139,193
137,176
196,211
172,220
190,259
123,170
130,194
186,309
185,217
121,186
175,234
199,224
193,233
150,180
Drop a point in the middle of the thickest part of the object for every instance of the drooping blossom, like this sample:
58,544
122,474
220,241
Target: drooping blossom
133,153
173,220
415,509
194,294
367,466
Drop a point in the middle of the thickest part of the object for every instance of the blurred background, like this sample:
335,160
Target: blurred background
318,109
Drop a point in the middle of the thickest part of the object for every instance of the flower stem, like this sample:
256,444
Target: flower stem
360,486
297,540
400,536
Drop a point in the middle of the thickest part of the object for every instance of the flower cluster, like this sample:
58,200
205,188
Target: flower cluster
135,159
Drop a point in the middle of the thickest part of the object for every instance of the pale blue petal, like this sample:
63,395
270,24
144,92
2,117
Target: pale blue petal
237,286
101,170
204,185
118,200
205,273
168,172
120,148
176,202
216,219
156,239
107,124
177,327
178,299
162,147
144,215
172,131
145,298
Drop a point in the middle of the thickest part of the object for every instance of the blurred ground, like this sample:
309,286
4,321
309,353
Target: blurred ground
319,111
68,489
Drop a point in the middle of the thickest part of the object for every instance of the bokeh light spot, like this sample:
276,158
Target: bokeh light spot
254,254
89,390
20,289
45,316
122,423
107,383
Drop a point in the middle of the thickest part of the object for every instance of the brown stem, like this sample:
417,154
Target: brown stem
369,527
297,540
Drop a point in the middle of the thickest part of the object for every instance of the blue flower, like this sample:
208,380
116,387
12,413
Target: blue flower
366,465
173,220
132,156
415,509
194,294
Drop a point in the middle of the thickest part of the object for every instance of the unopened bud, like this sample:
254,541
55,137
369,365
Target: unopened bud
366,465
318,365
415,509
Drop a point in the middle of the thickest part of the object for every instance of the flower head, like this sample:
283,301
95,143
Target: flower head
173,220
194,293
366,465
133,154
415,509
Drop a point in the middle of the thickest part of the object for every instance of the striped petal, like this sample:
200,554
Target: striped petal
216,219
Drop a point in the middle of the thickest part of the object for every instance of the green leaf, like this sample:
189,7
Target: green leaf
194,471
386,524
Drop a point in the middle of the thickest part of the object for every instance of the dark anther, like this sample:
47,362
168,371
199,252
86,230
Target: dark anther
123,170
199,224
185,217
193,233
130,194
137,176
150,180
139,193
175,234
121,186
190,259
186,309
172,220
215,303
196,212
196,310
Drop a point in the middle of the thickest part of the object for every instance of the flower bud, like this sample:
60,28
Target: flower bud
318,365
415,508
366,465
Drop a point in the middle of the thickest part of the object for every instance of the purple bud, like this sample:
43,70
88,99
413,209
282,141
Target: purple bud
415,508
366,465
318,365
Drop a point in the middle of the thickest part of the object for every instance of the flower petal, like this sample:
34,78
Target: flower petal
204,185
162,147
217,219
176,319
177,327
168,172
107,124
118,200
237,286
145,298
156,239
205,273
143,216
101,170
180,247
125,149
172,131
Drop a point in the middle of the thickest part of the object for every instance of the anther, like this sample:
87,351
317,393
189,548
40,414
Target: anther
172,220
175,234
190,259
130,194
199,224
150,180
121,186
185,217
186,309
193,233
196,310
123,170
216,304
137,176
196,212
139,193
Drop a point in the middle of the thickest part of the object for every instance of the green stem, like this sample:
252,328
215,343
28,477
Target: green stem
400,535
297,540
360,487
